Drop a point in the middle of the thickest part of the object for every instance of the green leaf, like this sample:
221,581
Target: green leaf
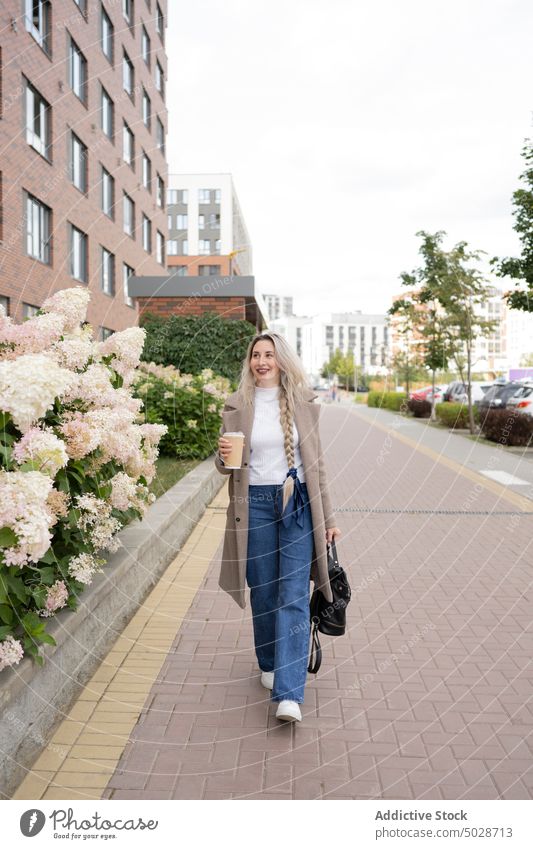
6,614
49,557
48,575
5,631
47,638
7,537
16,587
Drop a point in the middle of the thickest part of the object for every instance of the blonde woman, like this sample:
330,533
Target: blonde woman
279,518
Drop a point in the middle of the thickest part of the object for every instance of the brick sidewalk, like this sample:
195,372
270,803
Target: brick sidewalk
427,697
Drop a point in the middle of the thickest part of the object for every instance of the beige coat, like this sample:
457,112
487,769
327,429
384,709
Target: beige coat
236,417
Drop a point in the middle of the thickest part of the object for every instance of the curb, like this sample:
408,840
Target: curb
33,699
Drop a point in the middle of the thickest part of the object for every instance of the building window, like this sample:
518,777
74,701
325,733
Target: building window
208,270
184,196
128,211
147,233
38,114
78,163
160,196
107,114
204,195
182,222
82,6
180,270
107,278
128,12
184,247
108,193
128,146
160,22
147,110
170,221
172,247
160,136
217,246
38,229
78,254
172,196
104,333
37,18
160,79
146,172
217,195
128,75
107,35
204,246
214,221
127,271
77,71
201,222
145,46
160,247
4,304
29,310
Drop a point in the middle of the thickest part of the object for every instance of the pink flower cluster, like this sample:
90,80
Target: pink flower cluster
51,366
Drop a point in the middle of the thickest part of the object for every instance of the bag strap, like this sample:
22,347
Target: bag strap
334,551
315,658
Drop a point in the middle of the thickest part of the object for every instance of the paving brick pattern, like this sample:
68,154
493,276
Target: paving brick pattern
428,696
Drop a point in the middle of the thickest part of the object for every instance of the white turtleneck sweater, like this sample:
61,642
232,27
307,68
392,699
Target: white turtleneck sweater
268,461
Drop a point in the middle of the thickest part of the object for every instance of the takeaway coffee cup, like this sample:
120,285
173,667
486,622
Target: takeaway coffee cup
234,458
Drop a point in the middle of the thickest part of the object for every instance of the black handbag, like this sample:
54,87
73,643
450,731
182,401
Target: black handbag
328,617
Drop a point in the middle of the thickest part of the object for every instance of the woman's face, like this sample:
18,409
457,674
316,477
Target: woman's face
263,364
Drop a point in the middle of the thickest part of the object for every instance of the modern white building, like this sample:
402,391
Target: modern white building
205,220
278,306
315,339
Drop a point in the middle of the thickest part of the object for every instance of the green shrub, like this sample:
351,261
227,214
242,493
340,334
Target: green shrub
389,400
192,343
189,405
508,427
455,415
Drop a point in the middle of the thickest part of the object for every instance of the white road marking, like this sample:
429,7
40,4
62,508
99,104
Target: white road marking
504,478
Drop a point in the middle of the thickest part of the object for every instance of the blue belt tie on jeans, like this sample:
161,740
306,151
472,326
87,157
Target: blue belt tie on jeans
294,509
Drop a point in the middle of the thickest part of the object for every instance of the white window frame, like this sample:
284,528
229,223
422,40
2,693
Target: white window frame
38,229
128,215
204,247
107,272
78,254
172,247
160,247
147,110
78,163
146,42
108,193
128,74
77,65
107,109
182,221
37,121
128,149
146,172
127,272
38,16
107,39
146,233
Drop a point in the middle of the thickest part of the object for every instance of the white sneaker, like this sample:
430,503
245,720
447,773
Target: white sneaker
267,680
289,710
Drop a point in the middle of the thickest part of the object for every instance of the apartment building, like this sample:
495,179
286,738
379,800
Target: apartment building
315,338
83,171
278,306
207,233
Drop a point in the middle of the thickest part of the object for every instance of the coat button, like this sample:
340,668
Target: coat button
237,519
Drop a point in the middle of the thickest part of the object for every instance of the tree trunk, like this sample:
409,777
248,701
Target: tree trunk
433,416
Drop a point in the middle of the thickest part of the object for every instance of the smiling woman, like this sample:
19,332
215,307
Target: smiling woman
279,518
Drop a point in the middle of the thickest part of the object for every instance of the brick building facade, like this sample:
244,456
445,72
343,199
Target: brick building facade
82,94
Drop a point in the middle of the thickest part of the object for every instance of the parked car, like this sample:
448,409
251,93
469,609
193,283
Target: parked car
453,387
420,394
497,396
478,388
440,389
522,401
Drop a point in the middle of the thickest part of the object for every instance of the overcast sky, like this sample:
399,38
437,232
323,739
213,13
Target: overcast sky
348,125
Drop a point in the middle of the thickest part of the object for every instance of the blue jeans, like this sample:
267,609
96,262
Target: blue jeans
278,574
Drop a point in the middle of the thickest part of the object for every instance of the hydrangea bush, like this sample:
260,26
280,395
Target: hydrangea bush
77,457
189,405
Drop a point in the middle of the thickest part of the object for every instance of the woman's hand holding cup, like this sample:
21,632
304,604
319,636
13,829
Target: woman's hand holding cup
224,447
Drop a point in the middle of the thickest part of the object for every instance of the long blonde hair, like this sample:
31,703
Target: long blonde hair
293,380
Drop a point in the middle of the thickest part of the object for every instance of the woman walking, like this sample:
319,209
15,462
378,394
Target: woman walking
279,517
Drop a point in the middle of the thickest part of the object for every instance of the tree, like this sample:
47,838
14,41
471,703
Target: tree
463,290
520,269
444,308
340,364
429,314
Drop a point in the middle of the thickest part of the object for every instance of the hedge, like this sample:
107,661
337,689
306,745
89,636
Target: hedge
388,400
